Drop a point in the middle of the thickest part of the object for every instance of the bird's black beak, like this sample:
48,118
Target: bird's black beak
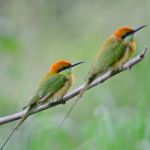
73,65
139,28
133,31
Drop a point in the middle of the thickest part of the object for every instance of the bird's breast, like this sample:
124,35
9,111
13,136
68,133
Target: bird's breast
130,49
132,46
60,93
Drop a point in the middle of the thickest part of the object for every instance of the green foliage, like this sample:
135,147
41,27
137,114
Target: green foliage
9,44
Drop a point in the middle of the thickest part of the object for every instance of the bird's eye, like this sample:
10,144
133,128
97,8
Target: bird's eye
62,68
126,34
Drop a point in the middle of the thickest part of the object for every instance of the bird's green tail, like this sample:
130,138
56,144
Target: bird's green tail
88,82
18,125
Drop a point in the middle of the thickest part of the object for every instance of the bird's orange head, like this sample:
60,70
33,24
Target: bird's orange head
61,65
123,32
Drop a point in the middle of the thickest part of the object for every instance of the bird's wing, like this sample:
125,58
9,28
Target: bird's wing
109,54
48,87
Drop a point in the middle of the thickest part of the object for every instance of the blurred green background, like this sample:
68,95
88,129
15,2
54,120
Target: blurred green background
33,34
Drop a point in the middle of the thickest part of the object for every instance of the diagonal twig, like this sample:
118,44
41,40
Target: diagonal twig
69,96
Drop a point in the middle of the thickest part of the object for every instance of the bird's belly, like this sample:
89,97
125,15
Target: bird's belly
125,58
59,94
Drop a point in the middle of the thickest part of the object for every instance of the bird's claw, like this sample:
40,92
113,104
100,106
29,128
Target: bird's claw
130,68
63,102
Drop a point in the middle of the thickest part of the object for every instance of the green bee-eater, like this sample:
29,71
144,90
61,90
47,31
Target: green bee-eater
115,51
52,87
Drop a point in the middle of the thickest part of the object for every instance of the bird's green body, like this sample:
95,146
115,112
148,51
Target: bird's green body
115,51
49,86
52,87
112,54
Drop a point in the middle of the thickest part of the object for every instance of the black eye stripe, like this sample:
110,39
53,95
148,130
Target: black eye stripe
127,34
63,68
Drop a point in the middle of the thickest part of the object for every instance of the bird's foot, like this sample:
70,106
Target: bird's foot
63,102
114,71
130,68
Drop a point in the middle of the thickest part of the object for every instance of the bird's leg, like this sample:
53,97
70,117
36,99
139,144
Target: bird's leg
63,102
116,69
130,68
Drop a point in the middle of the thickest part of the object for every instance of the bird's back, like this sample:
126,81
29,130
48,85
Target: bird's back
109,54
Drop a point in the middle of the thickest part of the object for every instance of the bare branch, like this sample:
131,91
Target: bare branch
107,75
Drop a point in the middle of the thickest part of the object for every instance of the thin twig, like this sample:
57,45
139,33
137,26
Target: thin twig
107,75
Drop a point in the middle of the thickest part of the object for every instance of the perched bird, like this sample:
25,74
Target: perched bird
115,51
52,87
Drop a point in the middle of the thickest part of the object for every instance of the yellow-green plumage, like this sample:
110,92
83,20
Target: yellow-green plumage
49,86
52,87
111,55
115,51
